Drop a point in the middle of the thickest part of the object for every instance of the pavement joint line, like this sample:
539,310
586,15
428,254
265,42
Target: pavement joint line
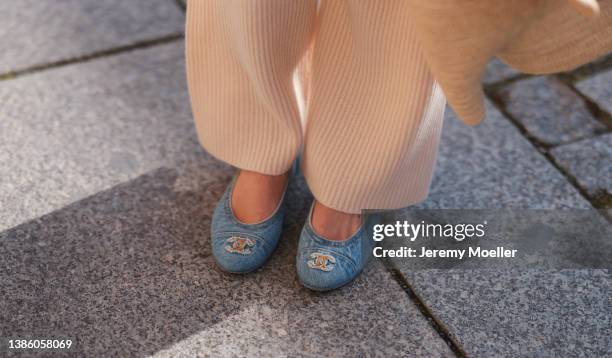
544,150
497,85
493,95
570,79
595,134
425,310
91,56
588,70
599,113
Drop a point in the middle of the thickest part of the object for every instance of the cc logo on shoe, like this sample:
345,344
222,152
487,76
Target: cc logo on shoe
321,261
240,245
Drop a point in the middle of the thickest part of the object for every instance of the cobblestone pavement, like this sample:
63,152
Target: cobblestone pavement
106,199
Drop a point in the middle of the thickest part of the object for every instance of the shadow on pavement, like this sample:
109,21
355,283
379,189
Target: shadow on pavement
129,272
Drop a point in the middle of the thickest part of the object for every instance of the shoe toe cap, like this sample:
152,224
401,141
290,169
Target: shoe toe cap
322,271
240,252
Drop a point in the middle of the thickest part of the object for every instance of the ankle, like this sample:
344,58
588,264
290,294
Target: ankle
256,196
333,224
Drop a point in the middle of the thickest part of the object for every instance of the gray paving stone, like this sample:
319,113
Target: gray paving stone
69,132
590,162
599,89
524,313
549,110
128,272
497,71
494,166
36,32
501,312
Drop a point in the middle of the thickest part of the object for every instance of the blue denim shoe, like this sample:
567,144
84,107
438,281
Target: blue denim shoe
240,247
324,265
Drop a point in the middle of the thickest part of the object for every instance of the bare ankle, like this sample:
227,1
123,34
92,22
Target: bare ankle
333,224
256,196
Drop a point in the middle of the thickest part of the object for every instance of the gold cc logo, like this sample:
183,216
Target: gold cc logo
240,245
321,261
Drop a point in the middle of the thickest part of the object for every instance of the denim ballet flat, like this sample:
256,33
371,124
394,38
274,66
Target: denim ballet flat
240,247
324,265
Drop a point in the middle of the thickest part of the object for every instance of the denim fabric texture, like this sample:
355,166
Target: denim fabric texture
239,247
324,265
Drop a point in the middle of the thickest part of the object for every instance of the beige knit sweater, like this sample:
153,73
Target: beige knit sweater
459,37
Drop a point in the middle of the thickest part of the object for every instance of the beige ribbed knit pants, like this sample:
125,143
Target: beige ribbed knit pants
371,119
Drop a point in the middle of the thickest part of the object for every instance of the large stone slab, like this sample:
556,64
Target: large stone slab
598,88
37,32
509,312
549,110
523,313
69,132
590,162
128,272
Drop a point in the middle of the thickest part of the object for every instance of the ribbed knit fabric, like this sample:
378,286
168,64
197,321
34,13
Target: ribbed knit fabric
373,112
241,56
